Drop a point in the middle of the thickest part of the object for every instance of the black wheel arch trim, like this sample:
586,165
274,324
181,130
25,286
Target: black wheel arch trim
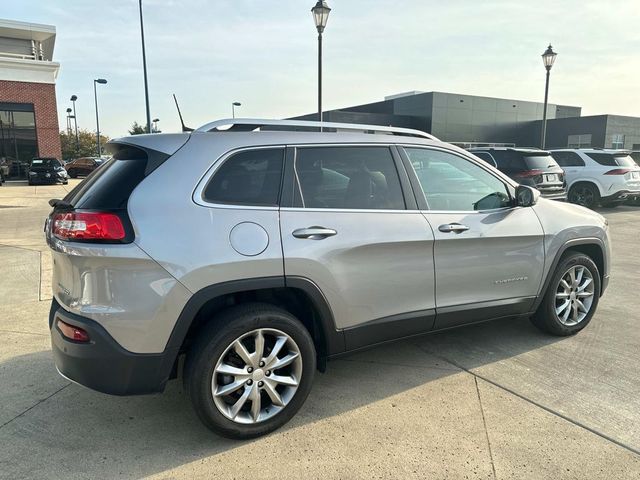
556,260
333,339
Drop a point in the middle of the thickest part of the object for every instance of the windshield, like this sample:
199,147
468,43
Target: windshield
540,162
45,162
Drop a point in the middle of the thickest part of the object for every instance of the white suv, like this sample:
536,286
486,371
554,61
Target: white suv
596,176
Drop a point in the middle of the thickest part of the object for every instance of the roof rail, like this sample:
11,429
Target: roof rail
252,124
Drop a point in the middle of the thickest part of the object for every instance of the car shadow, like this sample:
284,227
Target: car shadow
143,435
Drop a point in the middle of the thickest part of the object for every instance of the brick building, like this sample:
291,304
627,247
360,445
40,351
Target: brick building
28,110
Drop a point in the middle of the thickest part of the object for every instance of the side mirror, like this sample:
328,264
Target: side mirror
526,196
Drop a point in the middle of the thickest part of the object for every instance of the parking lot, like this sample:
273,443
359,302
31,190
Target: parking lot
495,400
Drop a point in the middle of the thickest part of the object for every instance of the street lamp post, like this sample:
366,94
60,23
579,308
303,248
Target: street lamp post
155,125
69,121
75,120
101,81
548,57
144,68
233,108
320,16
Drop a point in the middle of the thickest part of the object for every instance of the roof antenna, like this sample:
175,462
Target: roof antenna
184,127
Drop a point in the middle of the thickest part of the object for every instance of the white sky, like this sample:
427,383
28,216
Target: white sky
263,54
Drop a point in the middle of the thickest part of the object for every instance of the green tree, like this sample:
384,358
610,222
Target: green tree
137,129
86,146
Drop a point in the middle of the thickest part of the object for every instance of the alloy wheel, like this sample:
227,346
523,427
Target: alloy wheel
256,376
583,195
574,295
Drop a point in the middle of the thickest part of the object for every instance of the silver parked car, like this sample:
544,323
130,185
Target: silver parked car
256,250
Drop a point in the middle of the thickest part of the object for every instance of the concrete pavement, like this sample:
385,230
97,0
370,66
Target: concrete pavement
498,400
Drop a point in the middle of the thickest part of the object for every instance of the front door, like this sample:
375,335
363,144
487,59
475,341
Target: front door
488,254
352,235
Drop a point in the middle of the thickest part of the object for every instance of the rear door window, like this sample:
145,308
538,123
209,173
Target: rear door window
251,177
568,159
348,178
486,157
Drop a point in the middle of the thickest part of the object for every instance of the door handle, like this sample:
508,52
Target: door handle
453,227
314,233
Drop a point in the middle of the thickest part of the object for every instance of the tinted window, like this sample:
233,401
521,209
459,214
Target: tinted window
636,157
348,177
251,177
612,160
539,162
568,159
451,182
486,157
45,162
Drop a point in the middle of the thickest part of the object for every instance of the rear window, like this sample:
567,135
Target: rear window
251,177
109,187
612,159
45,162
539,162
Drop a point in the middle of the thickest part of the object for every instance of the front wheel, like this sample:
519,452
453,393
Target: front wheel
571,298
250,370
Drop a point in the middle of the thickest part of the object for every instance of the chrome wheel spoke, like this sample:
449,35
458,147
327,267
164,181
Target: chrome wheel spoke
565,285
584,294
277,348
242,352
235,409
257,355
580,306
227,369
563,307
562,295
283,362
230,387
256,403
290,381
585,284
276,399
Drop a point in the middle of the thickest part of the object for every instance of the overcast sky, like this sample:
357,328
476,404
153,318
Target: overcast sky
263,54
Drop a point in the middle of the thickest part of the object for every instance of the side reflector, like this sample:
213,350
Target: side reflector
88,226
73,333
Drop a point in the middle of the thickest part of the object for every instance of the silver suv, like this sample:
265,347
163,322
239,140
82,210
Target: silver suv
242,256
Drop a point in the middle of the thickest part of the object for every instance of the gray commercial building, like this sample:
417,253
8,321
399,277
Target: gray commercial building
469,119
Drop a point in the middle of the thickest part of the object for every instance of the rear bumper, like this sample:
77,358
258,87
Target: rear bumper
102,364
622,196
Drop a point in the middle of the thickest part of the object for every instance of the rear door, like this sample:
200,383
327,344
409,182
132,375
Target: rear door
355,232
488,254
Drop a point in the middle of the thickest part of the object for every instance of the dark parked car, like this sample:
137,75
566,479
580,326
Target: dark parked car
527,166
81,167
47,170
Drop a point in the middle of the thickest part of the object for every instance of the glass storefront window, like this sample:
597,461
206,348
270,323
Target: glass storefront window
18,142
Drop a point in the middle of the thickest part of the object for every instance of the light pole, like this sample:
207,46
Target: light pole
144,68
320,16
69,121
233,108
101,81
75,121
548,57
155,125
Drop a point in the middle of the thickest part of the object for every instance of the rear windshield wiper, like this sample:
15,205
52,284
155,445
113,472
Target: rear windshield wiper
58,204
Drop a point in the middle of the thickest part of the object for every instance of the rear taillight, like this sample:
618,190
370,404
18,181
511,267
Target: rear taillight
73,333
618,171
87,226
529,173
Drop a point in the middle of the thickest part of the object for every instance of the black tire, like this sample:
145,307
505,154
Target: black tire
585,194
73,174
211,345
545,318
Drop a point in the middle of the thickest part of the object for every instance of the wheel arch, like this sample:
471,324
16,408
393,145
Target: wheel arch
593,247
591,181
298,295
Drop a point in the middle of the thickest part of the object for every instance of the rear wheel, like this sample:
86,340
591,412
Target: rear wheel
585,194
571,298
250,370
